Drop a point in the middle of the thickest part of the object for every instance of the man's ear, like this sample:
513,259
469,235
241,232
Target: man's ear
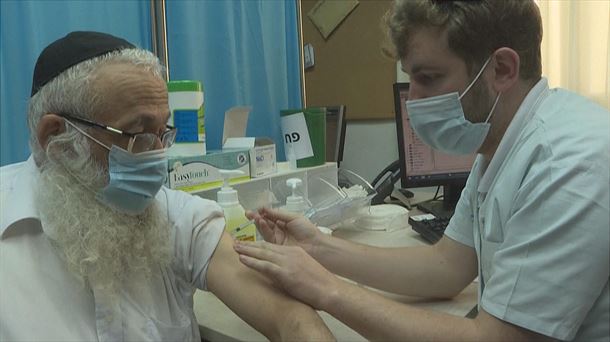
49,125
506,69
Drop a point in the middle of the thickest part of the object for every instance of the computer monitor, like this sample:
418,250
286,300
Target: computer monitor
423,166
335,133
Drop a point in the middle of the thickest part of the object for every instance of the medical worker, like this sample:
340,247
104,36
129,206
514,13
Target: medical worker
532,222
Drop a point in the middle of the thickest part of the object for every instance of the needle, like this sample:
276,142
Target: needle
244,225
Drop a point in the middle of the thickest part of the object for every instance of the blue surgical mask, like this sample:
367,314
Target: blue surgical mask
439,121
135,178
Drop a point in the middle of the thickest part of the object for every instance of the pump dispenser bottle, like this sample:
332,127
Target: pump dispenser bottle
235,214
295,203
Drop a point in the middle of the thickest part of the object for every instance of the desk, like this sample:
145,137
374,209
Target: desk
218,323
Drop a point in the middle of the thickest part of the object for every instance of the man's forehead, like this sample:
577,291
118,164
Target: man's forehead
116,76
424,40
426,47
129,89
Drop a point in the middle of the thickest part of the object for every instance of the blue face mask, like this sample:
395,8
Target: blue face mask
439,121
135,178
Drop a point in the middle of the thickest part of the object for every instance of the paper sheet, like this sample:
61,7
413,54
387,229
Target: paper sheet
326,15
236,120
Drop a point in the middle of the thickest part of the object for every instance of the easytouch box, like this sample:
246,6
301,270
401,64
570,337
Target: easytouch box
202,172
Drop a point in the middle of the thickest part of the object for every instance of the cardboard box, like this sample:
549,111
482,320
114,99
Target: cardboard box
263,158
197,173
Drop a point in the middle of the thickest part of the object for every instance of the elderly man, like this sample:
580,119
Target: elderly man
93,247
532,222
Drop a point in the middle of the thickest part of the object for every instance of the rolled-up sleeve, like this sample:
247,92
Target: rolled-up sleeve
460,227
198,226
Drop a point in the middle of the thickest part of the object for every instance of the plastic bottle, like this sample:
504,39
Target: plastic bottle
235,214
295,203
186,105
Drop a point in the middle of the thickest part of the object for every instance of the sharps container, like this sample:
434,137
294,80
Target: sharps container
304,135
187,115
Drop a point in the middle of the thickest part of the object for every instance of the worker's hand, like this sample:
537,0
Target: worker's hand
292,269
285,228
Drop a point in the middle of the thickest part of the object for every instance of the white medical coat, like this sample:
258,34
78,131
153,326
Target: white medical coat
538,216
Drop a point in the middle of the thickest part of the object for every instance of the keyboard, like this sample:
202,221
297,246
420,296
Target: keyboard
430,227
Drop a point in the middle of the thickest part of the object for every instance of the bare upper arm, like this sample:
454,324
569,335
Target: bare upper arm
460,259
252,296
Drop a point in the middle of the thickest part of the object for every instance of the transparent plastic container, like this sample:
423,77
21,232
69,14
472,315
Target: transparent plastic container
359,192
340,204
325,200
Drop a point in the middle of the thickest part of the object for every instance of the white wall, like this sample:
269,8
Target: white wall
370,146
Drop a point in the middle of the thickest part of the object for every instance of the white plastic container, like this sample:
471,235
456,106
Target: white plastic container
235,215
186,105
295,203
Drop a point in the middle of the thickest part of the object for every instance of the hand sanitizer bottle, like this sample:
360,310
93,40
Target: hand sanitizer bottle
235,215
295,203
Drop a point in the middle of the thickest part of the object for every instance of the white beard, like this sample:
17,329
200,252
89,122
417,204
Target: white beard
99,245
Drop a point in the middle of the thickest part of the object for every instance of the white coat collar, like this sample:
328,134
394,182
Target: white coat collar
525,112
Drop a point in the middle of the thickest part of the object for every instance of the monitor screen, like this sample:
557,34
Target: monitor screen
421,165
335,133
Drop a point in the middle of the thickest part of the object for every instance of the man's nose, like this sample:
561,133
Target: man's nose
414,93
158,144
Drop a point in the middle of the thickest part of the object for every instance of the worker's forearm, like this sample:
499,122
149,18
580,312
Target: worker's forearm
302,325
414,271
378,318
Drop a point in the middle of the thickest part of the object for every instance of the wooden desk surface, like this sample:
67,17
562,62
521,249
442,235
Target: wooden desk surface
218,323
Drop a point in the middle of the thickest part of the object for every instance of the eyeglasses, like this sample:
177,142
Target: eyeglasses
138,142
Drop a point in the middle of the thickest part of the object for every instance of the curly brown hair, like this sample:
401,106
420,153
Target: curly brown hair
474,29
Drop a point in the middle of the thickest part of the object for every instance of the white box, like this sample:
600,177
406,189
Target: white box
263,156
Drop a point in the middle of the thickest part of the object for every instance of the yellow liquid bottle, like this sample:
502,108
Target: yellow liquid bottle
235,214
